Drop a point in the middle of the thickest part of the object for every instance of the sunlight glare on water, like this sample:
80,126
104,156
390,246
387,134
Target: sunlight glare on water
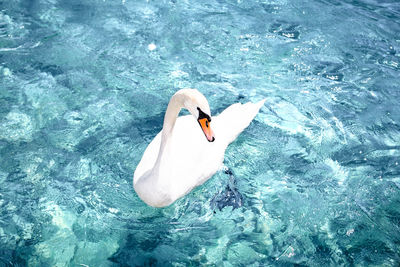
83,90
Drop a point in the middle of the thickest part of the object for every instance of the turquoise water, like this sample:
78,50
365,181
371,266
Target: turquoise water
83,88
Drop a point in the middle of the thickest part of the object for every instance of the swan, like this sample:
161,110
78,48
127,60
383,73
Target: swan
184,155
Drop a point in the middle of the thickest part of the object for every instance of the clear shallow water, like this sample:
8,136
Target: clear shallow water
83,88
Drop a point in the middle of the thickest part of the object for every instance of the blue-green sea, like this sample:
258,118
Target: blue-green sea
84,85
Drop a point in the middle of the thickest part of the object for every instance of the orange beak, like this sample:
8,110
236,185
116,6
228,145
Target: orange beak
205,126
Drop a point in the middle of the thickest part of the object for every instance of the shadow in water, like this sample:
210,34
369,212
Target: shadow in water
229,197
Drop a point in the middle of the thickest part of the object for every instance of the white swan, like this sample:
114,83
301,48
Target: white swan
179,158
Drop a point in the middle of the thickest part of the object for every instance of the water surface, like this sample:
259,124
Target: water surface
83,88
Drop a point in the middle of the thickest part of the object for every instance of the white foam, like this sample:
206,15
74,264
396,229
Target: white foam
151,47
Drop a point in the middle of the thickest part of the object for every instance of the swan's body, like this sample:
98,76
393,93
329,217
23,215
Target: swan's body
180,158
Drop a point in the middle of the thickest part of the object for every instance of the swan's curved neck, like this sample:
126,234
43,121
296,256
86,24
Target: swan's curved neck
175,105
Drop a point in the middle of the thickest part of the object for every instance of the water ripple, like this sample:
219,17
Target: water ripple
83,88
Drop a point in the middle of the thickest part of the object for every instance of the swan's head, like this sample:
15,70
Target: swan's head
198,106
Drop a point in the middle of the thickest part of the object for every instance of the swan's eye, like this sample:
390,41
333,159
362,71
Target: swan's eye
203,115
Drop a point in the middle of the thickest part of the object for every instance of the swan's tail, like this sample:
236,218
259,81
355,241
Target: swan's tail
233,120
